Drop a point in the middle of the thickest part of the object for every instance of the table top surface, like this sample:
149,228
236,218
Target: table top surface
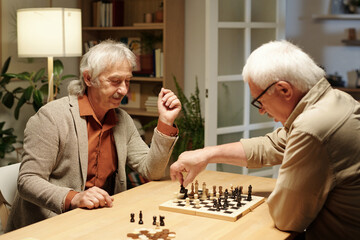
114,223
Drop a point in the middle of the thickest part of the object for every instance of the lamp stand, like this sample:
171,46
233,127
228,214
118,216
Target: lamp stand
50,79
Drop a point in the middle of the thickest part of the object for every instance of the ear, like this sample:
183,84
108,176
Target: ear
87,78
284,89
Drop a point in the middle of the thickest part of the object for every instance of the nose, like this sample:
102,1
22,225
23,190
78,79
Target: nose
262,111
122,89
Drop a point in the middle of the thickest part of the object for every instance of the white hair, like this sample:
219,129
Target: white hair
282,60
97,59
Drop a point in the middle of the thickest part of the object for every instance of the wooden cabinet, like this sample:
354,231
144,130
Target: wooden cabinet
172,45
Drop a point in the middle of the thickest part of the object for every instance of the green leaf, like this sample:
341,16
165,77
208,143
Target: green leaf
44,89
6,65
8,100
20,103
23,76
6,79
58,67
2,125
1,93
68,76
18,90
38,100
27,93
39,75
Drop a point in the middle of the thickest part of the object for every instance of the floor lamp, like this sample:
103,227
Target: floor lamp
49,32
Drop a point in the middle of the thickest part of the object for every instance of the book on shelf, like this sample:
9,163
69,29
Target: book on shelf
151,104
89,44
108,13
132,98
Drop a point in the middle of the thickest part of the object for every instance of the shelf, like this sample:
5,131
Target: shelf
140,112
146,79
148,26
337,17
351,42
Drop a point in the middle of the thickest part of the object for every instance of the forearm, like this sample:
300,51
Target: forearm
230,153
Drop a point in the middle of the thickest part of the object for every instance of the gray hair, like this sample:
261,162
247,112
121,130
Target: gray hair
97,59
282,60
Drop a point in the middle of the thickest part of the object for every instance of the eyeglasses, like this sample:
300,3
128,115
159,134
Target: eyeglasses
256,103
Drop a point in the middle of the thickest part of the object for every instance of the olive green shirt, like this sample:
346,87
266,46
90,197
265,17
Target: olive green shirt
318,188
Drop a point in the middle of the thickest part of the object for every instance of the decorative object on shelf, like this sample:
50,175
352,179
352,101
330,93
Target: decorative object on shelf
351,6
49,32
335,80
337,7
159,14
148,17
351,34
357,78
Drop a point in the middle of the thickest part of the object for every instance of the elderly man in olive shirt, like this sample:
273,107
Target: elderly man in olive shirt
318,188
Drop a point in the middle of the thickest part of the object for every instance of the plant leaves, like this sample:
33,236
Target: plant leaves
27,93
8,100
20,103
58,67
38,100
6,65
44,89
18,90
39,75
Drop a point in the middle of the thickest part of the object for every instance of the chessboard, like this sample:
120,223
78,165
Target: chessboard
228,205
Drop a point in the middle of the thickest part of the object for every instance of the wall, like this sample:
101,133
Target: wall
322,39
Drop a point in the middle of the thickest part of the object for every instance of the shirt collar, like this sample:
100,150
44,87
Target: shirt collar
86,109
311,97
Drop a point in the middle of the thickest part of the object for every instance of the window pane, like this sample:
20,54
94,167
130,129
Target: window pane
230,51
231,11
229,138
263,10
260,132
230,103
260,36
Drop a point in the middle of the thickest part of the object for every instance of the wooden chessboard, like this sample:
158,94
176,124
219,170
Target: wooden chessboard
231,213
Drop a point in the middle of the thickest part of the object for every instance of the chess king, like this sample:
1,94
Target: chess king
318,187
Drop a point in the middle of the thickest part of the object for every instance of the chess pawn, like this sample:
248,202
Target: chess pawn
197,203
196,196
214,189
196,187
191,194
203,195
220,190
203,186
211,195
217,195
187,202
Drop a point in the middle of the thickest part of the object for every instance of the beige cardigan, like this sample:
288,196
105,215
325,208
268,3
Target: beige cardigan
55,159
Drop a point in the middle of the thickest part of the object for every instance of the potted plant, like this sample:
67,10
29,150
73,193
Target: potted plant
34,93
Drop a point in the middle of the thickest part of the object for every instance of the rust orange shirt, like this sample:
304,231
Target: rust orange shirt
102,158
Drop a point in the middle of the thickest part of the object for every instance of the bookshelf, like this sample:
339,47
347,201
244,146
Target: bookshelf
172,44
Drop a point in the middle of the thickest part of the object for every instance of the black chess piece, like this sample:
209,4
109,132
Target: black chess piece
154,220
162,223
238,200
182,189
132,217
140,218
214,203
249,193
186,194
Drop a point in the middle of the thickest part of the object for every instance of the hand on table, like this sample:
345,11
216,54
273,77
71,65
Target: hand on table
191,162
92,198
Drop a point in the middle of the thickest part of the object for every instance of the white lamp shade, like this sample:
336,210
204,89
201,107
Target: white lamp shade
44,32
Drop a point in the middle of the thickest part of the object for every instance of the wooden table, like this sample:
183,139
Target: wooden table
114,223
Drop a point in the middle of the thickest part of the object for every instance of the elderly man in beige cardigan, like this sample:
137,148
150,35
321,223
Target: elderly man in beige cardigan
76,148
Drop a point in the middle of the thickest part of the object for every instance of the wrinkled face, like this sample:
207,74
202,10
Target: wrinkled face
272,103
113,86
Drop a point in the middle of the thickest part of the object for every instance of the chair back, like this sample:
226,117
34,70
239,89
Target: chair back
8,186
